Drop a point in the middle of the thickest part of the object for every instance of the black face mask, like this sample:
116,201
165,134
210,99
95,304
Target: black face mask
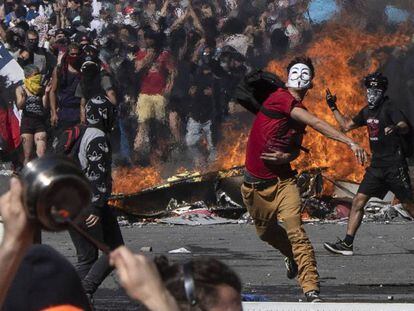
61,41
32,45
23,62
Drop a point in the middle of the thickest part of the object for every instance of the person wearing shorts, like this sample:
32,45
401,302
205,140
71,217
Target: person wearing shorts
32,100
388,170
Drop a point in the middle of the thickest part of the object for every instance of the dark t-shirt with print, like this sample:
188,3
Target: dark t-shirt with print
386,149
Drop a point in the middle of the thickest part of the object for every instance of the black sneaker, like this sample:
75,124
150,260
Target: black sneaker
291,267
339,247
313,296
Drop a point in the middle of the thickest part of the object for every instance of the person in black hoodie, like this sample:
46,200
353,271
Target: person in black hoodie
94,155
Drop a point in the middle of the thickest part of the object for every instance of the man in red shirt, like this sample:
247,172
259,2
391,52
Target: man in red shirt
157,73
269,190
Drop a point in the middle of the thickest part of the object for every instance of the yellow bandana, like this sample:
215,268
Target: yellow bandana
34,84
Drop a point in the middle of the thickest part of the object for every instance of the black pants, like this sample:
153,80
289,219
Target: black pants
91,268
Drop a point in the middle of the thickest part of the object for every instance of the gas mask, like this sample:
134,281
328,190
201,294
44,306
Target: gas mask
300,77
374,97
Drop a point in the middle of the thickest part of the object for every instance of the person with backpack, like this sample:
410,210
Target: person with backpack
92,150
388,132
269,190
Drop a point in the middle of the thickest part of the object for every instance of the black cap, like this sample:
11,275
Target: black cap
376,80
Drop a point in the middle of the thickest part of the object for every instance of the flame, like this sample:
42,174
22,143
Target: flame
342,56
231,150
132,180
338,67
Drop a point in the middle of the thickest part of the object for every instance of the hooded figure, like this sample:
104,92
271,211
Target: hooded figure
100,113
94,155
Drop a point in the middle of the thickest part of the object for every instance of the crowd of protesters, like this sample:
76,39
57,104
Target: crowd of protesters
161,74
157,76
170,67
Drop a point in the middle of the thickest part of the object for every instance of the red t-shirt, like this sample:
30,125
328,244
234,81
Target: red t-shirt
154,81
267,135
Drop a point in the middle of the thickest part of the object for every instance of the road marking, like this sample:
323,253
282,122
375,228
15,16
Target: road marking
301,306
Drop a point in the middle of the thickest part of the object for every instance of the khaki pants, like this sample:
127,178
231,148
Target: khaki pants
151,106
282,202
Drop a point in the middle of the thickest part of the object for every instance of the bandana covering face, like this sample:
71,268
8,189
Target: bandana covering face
374,97
34,84
299,77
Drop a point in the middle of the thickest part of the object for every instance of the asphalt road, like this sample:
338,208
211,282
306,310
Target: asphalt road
381,270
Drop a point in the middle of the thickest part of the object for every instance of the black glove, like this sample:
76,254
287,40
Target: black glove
331,100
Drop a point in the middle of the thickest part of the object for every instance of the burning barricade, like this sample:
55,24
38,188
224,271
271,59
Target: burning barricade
214,198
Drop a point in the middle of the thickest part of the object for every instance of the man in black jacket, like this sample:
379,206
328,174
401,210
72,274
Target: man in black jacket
94,155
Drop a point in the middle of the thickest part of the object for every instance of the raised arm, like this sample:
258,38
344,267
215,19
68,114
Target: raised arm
18,235
303,116
346,123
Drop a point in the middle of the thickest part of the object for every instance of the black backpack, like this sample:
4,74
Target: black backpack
255,88
68,142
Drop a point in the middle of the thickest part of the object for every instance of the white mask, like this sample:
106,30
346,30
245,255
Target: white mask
299,77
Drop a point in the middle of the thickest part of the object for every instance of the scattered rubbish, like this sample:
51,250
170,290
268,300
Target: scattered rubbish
400,209
181,250
214,198
146,249
123,221
197,219
225,201
247,219
5,172
342,210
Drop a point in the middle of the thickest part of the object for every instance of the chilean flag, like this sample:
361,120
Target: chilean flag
11,75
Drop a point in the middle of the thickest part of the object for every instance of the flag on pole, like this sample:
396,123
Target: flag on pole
11,75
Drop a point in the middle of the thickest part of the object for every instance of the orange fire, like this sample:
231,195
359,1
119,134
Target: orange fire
342,57
131,180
